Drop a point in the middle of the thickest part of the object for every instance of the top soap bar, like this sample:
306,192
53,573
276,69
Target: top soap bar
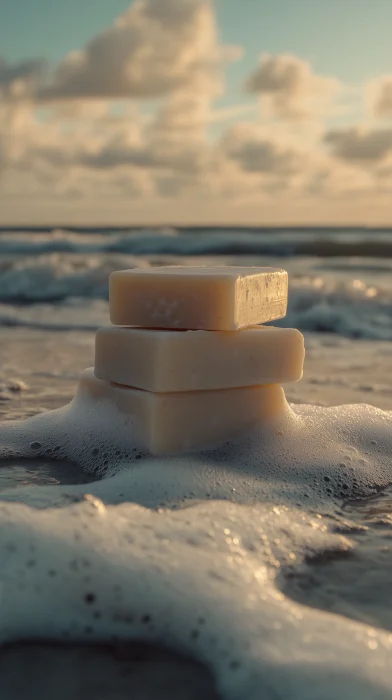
197,298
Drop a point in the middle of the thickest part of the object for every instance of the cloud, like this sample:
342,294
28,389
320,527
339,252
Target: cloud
359,146
117,154
381,92
292,88
154,48
91,138
17,79
112,141
172,139
385,172
17,84
337,180
254,152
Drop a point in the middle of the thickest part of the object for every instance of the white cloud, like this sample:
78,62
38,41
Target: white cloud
290,86
154,48
164,49
17,83
379,96
173,140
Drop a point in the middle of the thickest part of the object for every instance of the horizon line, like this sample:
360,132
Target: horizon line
227,227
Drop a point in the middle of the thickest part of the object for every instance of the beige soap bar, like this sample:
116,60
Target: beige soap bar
168,360
180,422
207,298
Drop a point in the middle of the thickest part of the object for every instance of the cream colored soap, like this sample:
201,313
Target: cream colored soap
206,298
180,422
168,360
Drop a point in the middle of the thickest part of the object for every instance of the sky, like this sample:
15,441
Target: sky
195,112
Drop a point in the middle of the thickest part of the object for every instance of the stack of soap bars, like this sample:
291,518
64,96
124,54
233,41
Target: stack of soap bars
185,357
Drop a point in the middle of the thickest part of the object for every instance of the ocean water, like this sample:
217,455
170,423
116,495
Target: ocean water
341,282
259,569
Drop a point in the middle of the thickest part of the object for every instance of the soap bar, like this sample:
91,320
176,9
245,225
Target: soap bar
169,360
206,298
186,421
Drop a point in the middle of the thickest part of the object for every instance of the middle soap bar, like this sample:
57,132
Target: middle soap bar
166,361
206,298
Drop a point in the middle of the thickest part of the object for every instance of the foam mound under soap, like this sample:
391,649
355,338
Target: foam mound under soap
308,456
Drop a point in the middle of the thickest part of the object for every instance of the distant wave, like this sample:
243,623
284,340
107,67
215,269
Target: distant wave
79,301
59,279
341,309
200,242
56,277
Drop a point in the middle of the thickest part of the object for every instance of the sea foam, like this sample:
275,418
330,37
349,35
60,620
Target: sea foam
310,455
203,581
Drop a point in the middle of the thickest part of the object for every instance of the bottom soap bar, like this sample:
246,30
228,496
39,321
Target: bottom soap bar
184,421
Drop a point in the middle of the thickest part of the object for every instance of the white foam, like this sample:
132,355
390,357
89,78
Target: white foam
202,581
312,455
